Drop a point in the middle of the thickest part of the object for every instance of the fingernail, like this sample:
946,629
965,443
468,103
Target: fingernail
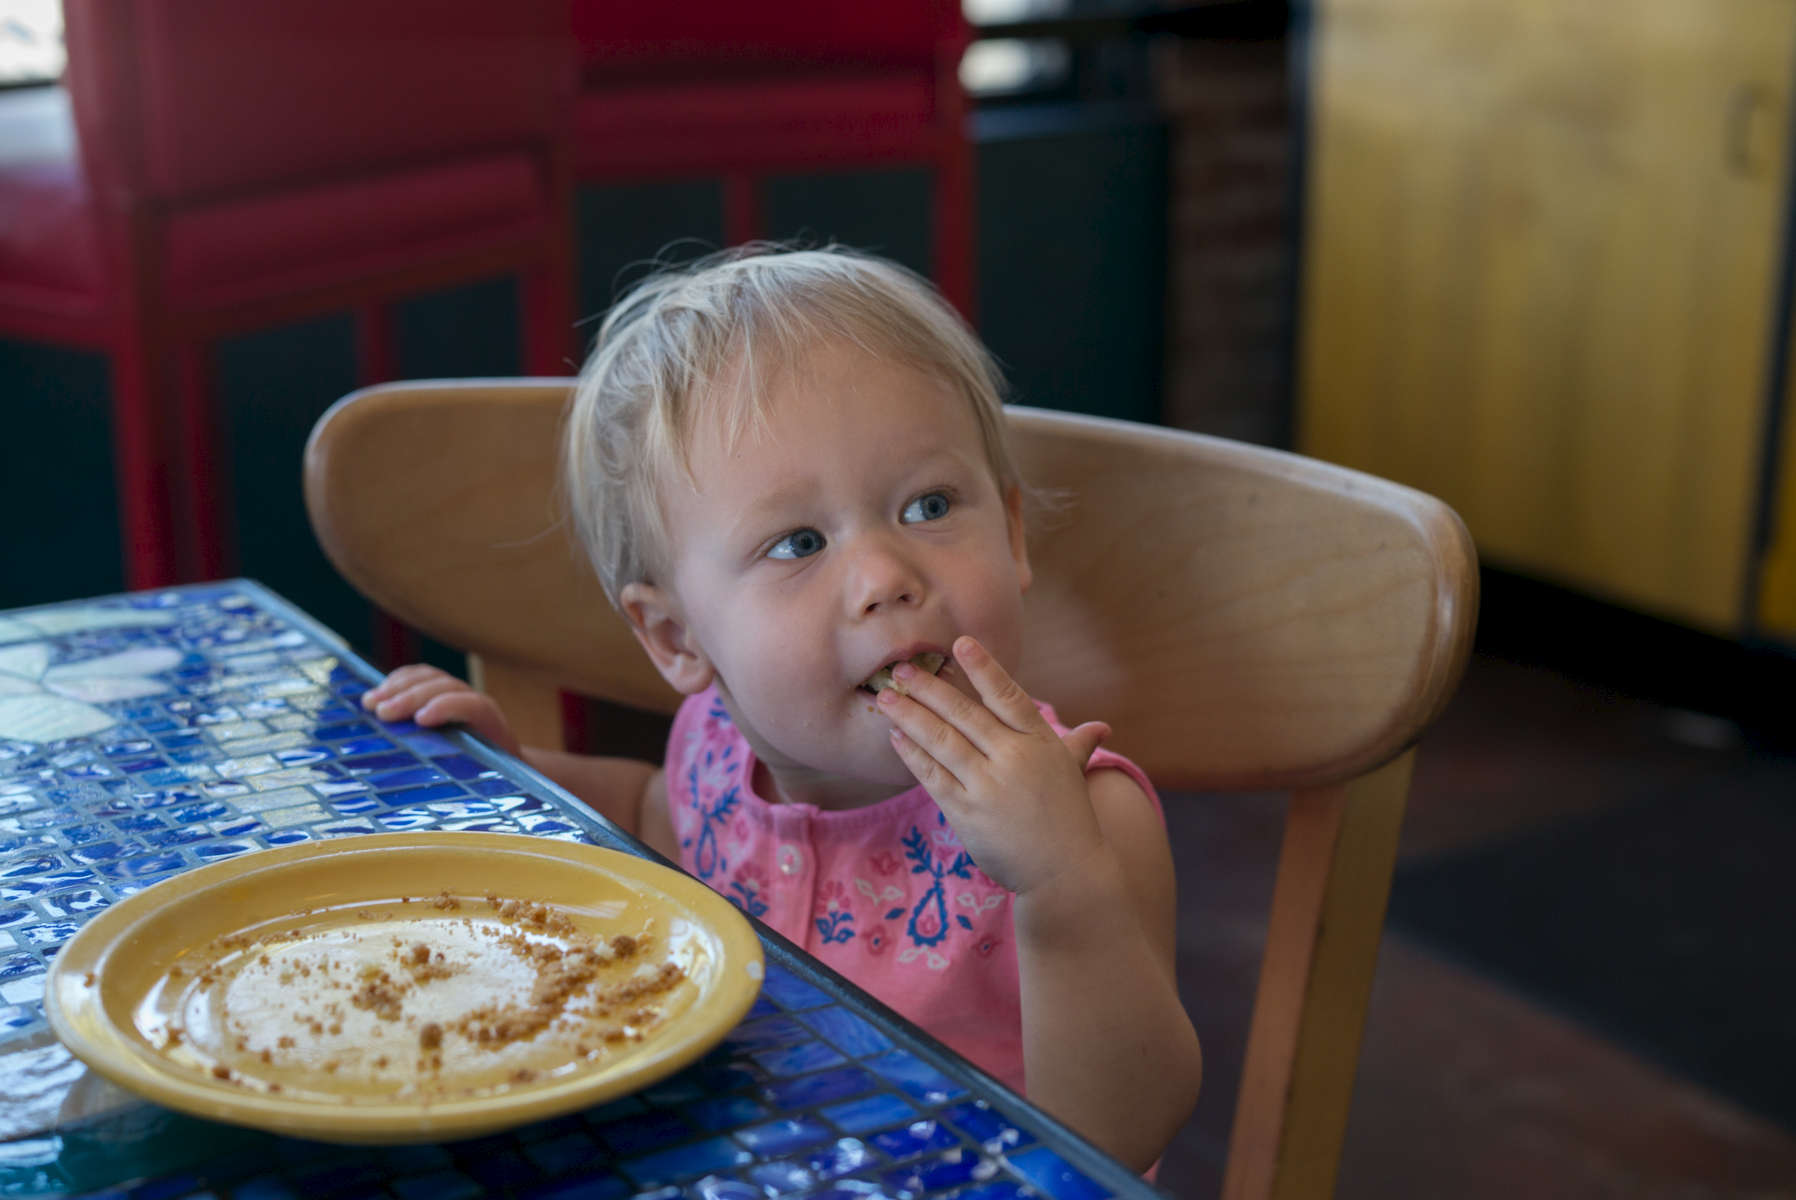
904,670
887,696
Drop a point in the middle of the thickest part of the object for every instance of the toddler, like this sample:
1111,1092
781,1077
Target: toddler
790,470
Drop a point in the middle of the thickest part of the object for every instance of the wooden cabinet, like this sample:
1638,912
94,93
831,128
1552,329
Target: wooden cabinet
1542,247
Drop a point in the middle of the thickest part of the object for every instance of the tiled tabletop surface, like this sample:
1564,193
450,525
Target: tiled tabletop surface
144,735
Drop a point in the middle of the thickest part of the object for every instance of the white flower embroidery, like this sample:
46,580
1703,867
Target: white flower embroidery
44,703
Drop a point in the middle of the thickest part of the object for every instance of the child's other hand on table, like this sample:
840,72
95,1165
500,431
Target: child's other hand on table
433,697
1013,789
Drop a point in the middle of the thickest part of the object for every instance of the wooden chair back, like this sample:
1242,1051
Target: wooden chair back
1246,619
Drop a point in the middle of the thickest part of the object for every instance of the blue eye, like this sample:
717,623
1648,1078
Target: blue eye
800,543
930,506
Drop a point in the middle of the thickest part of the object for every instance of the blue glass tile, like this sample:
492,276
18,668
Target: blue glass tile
153,864
781,1178
860,1190
681,1162
15,916
263,1187
985,1125
795,1060
916,1076
840,1158
102,852
422,795
997,1189
792,992
915,1138
35,865
566,1153
459,766
339,733
849,1032
198,812
807,1090
18,967
286,837
51,933
16,1017
939,1174
346,828
724,1112
1049,1173
784,1135
177,741
368,745
714,1188
440,1185
497,1167
162,777
768,1033
423,742
140,765
338,787
301,756
213,851
544,824
169,838
407,818
370,763
383,780
355,806
81,835
236,827
605,1187
493,787
137,823
646,1131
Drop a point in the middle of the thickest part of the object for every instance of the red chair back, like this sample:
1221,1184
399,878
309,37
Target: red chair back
644,38
189,98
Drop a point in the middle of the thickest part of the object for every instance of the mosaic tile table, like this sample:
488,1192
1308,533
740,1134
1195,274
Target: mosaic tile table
144,735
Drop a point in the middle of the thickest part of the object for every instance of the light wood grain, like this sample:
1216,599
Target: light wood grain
1243,618
1539,255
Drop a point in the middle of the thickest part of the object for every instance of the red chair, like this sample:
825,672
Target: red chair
746,88
214,167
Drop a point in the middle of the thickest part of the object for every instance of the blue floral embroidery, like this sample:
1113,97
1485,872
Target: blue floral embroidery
928,923
836,927
703,775
747,898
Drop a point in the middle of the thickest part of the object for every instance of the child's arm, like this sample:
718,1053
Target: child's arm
1107,1045
627,791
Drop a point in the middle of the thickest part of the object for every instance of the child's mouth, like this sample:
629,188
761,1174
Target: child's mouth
882,679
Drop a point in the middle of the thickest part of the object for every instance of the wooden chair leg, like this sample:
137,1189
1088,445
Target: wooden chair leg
1328,906
533,711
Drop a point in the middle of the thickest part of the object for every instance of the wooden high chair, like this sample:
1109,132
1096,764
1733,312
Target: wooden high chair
1244,618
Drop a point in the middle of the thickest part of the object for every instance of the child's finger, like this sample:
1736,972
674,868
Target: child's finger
397,681
1085,740
409,700
1003,695
936,779
935,734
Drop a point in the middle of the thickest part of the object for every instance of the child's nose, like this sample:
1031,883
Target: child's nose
883,578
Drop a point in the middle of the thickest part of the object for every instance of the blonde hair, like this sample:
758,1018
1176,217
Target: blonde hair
700,341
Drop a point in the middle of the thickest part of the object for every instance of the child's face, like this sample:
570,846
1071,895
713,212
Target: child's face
862,526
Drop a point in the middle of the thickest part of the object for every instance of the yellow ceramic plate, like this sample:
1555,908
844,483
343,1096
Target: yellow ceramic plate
404,987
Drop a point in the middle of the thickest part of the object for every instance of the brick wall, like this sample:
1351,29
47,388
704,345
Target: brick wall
1228,106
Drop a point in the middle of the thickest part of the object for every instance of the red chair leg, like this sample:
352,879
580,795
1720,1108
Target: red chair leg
742,218
376,344
140,455
956,271
546,312
205,488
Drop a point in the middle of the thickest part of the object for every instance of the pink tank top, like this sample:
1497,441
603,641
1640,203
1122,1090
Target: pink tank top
885,895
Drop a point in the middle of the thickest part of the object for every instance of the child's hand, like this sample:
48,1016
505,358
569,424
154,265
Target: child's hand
1013,789
433,697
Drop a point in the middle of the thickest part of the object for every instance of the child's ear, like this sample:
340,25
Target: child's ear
657,625
1019,540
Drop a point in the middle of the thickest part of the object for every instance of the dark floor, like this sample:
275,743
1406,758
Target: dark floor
1479,1078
